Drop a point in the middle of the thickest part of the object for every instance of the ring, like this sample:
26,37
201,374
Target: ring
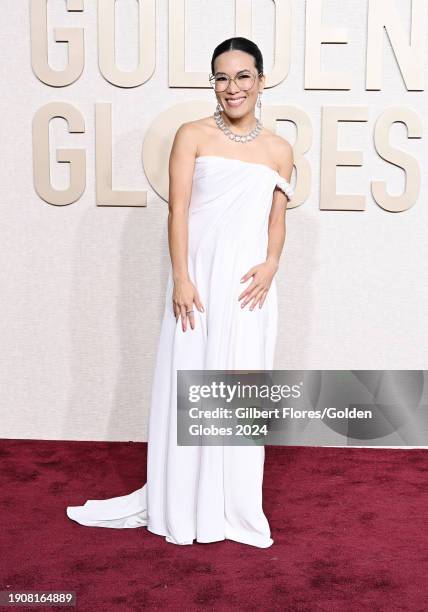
187,311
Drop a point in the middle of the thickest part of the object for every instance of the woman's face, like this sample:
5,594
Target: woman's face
235,101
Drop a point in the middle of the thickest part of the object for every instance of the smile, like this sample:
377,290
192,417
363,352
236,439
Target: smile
235,102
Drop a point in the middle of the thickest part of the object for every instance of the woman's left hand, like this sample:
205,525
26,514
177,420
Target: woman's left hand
262,278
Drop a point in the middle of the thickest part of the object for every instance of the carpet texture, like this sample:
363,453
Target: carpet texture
350,527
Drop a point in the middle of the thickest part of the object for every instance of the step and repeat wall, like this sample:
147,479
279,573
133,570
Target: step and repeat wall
92,95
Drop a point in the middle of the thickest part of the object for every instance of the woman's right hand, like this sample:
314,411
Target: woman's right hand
184,295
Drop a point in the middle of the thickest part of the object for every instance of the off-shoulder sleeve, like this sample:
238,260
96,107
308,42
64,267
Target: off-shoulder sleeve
285,186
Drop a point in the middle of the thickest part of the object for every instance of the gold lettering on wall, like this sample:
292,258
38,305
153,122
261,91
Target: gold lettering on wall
409,48
160,134
316,35
103,166
39,45
147,44
397,203
332,157
75,157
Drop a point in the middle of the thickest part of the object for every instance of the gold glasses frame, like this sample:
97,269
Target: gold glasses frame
212,80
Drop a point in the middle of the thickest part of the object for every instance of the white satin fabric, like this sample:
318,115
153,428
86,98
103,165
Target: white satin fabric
207,493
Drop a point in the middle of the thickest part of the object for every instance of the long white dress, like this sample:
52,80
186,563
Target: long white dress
207,493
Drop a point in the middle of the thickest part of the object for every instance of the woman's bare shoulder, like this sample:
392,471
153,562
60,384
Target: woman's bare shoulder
276,141
197,125
191,134
196,128
282,152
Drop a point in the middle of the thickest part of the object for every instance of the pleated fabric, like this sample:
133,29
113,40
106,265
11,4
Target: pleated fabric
207,493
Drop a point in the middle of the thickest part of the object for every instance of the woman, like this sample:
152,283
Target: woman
226,227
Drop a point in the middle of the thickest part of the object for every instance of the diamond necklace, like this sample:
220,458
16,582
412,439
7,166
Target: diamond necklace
237,137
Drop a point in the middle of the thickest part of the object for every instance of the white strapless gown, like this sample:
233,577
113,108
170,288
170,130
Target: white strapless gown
207,493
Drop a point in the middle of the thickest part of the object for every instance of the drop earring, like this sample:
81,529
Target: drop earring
259,105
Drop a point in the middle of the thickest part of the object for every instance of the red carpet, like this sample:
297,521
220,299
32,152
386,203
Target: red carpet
350,529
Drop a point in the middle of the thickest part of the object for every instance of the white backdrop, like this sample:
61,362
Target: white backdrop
82,287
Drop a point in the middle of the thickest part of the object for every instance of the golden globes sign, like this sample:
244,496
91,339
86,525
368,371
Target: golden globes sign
410,53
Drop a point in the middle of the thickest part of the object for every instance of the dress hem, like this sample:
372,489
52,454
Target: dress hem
161,532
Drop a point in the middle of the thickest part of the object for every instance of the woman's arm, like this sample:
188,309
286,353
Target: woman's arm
181,168
277,228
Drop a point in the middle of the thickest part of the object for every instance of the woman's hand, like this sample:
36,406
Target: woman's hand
183,296
262,279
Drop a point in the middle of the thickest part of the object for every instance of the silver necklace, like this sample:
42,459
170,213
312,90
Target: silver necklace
237,137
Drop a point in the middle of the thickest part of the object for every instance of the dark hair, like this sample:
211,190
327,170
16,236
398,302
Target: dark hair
240,44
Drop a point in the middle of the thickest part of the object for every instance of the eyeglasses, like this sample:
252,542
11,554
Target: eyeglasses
244,80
